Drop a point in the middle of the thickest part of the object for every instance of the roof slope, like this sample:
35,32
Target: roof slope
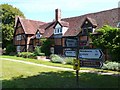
30,26
109,17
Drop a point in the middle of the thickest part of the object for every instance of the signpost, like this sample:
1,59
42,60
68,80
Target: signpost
90,54
84,57
90,57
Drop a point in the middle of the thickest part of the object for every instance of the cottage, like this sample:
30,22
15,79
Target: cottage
63,32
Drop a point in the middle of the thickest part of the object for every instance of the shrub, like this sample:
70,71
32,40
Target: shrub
68,60
45,48
26,54
10,49
37,50
56,59
41,54
111,66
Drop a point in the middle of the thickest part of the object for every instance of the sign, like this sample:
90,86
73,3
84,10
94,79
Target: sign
70,53
89,63
90,54
71,42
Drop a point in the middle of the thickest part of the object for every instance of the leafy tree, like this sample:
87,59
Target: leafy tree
8,14
110,40
45,48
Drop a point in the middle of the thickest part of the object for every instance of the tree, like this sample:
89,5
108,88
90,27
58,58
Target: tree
8,14
45,48
110,40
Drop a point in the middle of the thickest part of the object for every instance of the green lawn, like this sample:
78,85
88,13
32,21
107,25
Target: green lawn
20,75
54,64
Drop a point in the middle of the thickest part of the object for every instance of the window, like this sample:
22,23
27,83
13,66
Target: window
18,48
118,25
84,31
19,37
38,35
87,30
58,31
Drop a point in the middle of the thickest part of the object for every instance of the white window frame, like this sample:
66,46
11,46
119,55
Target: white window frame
19,37
18,48
38,35
58,29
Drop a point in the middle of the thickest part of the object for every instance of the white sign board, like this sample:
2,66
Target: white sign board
70,53
90,53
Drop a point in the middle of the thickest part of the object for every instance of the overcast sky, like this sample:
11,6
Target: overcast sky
44,10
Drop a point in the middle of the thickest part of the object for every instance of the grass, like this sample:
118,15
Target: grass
55,64
19,75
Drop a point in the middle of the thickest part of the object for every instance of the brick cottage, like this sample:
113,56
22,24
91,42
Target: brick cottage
62,32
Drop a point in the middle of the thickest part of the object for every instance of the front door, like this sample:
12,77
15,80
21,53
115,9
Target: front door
58,49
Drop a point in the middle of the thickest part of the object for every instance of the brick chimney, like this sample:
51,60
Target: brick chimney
57,14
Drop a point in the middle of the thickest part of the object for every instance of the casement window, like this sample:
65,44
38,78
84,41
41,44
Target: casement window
87,30
18,48
18,37
38,35
118,25
58,31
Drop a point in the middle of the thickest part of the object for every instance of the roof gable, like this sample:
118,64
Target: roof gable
30,26
89,22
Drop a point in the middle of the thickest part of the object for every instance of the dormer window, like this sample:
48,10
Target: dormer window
38,35
58,29
88,26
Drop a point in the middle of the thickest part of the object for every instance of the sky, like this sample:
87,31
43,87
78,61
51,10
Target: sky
44,10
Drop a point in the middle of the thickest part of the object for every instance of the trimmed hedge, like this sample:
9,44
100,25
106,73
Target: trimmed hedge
111,66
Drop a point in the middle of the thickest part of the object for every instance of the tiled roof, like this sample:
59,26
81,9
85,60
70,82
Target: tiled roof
93,21
30,26
109,17
63,23
49,29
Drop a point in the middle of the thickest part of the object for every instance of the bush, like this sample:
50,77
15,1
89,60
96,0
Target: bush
56,59
45,48
37,50
10,49
26,54
111,66
68,60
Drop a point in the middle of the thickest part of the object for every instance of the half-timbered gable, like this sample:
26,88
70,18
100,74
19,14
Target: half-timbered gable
24,31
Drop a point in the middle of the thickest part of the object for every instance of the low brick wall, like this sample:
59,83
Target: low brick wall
42,58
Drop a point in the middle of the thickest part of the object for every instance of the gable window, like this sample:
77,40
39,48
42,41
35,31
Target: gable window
38,35
19,37
87,30
58,30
